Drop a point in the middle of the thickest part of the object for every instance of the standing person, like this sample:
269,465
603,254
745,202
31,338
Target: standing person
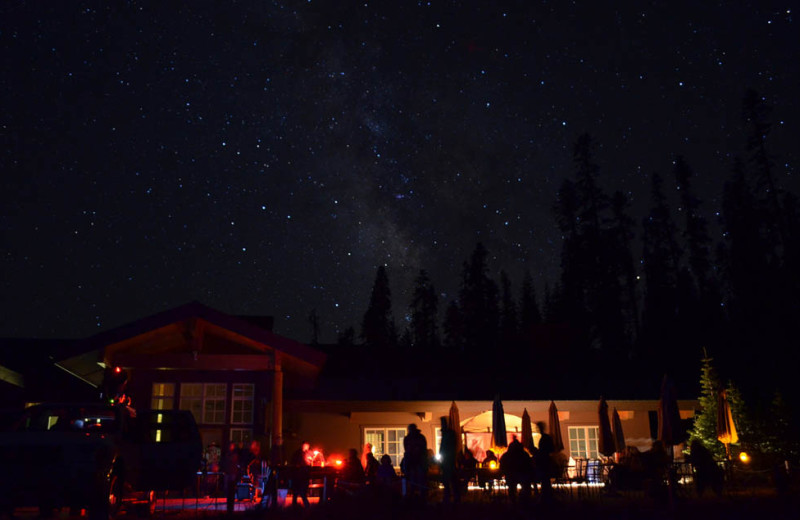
416,463
543,462
447,452
300,474
516,466
707,472
231,466
352,477
371,469
364,453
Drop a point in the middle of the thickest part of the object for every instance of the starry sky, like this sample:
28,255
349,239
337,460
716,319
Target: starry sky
264,157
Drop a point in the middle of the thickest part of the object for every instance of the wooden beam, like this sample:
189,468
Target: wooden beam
187,361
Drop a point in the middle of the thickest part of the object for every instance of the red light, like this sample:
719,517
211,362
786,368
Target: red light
117,370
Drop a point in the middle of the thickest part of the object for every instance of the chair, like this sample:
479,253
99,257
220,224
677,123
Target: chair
572,475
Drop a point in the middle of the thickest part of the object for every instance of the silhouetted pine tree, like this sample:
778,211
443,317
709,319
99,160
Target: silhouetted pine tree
377,329
508,315
453,327
529,313
761,252
313,321
590,276
478,303
700,299
622,234
424,313
570,291
661,264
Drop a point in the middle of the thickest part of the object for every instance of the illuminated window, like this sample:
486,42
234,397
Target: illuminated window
242,404
243,435
583,442
163,396
386,441
205,401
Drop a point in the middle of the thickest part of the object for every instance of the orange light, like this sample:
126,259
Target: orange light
493,465
744,457
338,462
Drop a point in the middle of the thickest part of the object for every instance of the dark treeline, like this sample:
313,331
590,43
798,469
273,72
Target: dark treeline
632,302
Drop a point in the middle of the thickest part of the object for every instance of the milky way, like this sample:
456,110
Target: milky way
266,157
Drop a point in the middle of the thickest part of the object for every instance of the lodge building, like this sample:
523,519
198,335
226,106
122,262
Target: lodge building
243,382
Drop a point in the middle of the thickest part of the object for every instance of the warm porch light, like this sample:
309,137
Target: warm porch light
493,464
744,457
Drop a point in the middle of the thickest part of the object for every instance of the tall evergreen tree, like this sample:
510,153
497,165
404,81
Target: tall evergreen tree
661,264
424,313
508,314
695,229
700,294
453,327
313,321
590,279
478,303
377,329
622,234
705,422
529,313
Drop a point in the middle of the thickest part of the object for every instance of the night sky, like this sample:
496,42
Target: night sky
265,157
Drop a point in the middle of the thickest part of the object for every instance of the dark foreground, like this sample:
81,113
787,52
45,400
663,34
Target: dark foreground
749,504
744,504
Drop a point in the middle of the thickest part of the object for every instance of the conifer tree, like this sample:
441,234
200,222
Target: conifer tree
453,327
508,314
529,313
424,313
705,423
377,328
478,303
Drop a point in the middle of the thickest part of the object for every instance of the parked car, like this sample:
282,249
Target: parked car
91,456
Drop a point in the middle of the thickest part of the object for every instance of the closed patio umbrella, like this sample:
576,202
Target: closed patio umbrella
555,427
669,418
527,431
499,438
454,423
726,429
605,441
616,429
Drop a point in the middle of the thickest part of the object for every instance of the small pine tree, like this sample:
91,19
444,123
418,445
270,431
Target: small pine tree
705,423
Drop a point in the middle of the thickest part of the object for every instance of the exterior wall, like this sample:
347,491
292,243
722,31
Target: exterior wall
336,426
141,383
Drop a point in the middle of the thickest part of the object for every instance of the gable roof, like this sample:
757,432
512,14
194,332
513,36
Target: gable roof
150,335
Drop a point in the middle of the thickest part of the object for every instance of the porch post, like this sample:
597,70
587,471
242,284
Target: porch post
277,406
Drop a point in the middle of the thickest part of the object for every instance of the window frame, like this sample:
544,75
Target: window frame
205,398
591,450
248,398
245,437
159,397
400,434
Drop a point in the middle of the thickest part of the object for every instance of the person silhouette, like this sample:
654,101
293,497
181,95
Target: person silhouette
415,462
447,463
300,474
516,466
543,462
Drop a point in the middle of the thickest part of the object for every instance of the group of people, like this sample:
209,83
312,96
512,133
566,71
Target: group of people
525,469
520,467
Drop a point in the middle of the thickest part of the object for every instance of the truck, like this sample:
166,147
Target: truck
95,456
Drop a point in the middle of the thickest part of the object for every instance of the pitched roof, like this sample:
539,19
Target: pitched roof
238,325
